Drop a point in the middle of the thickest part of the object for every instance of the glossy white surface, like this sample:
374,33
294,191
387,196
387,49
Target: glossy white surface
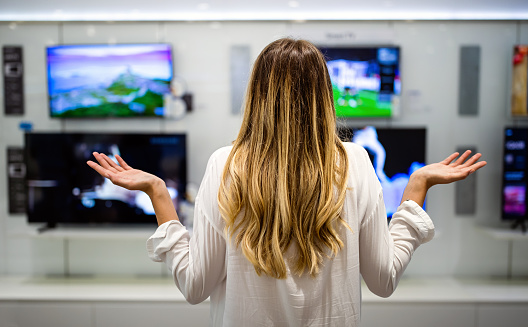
441,290
88,289
91,233
507,234
102,302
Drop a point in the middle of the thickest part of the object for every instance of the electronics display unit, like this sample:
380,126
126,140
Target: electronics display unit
122,80
393,159
63,189
519,86
514,174
365,80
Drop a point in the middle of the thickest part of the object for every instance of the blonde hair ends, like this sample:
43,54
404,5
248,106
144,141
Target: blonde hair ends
286,176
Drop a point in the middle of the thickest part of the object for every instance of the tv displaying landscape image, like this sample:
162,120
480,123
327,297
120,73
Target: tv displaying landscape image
123,80
365,81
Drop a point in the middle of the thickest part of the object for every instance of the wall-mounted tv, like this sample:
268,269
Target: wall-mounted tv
514,173
519,86
122,80
392,157
365,80
63,189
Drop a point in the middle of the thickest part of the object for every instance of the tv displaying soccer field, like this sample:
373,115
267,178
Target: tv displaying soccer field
122,80
365,80
519,87
393,159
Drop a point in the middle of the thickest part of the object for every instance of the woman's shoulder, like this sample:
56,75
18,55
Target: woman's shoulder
358,157
223,151
353,149
219,156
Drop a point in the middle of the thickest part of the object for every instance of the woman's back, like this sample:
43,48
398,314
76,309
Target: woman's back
332,298
285,177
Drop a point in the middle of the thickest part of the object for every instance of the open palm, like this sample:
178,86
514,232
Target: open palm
450,170
122,174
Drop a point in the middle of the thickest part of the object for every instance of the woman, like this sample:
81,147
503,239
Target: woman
289,218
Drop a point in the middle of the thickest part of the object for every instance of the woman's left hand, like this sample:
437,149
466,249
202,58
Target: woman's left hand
450,170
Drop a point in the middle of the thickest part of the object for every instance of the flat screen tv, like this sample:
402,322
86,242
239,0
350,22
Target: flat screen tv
514,173
365,81
63,189
519,86
393,158
122,80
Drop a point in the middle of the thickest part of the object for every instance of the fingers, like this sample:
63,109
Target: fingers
107,162
477,166
472,160
122,162
107,167
102,171
112,163
448,160
462,158
100,159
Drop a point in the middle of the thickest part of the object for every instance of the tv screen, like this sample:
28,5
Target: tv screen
514,173
123,80
365,81
63,189
519,96
393,158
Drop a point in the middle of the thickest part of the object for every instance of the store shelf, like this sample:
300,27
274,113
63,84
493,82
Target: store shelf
410,290
88,232
506,234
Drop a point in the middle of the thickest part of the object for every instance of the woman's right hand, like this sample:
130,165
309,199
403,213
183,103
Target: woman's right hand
123,175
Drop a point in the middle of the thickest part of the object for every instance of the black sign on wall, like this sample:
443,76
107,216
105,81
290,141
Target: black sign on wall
16,174
13,80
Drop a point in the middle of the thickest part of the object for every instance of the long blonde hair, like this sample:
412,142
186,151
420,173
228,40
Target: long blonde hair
286,176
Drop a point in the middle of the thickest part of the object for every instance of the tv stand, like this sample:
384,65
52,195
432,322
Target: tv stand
47,226
521,222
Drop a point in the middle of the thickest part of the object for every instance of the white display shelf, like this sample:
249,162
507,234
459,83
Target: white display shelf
506,234
423,290
88,232
88,289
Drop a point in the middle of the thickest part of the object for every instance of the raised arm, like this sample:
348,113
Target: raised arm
447,171
385,251
197,264
134,179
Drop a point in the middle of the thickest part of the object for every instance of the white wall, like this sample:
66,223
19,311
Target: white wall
430,53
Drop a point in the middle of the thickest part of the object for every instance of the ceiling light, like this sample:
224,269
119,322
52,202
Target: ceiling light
203,6
293,4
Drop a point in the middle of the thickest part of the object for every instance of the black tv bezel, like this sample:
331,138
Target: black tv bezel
109,45
53,223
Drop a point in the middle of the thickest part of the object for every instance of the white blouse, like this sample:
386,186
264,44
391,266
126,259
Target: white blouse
208,265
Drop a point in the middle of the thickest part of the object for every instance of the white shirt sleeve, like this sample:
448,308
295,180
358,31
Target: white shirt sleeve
197,263
386,250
